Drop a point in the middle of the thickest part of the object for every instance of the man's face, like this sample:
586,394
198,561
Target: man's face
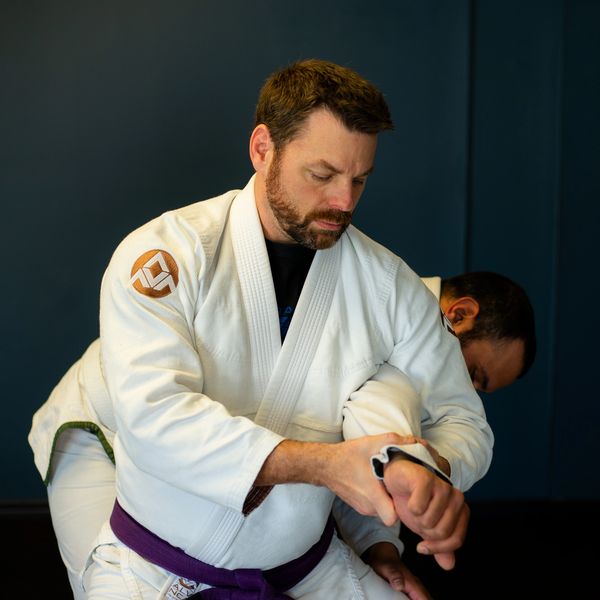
492,364
314,182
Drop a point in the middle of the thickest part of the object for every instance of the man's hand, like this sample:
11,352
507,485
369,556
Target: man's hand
428,506
385,560
422,501
345,468
350,475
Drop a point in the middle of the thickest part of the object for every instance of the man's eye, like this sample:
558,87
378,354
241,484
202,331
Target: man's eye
359,182
321,178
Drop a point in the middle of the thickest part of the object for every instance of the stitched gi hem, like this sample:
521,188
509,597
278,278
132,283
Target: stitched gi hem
87,426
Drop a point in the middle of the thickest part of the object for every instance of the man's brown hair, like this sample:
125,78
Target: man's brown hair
291,94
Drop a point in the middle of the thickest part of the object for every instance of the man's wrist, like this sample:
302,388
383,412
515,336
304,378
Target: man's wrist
380,549
293,461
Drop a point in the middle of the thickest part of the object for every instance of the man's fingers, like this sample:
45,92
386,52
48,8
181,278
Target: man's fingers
430,502
421,495
427,496
443,513
384,506
446,560
443,549
384,559
452,532
392,575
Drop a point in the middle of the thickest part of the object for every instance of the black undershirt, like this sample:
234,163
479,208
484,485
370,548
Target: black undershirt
290,264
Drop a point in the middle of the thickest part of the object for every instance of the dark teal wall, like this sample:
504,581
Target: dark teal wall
515,175
533,214
113,112
575,425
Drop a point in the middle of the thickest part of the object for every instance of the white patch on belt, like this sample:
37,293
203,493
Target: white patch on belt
181,588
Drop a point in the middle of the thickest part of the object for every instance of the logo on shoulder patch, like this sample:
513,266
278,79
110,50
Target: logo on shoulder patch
155,274
446,323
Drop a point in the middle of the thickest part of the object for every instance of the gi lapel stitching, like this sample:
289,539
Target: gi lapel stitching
281,370
302,339
256,283
260,306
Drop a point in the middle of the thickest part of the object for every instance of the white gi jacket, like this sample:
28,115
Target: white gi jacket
203,390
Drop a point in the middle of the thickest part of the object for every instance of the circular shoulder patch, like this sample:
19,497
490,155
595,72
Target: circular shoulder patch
155,274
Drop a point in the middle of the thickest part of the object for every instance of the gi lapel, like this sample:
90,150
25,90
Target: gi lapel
301,341
282,370
256,282
260,307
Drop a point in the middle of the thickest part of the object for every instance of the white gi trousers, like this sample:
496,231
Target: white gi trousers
81,495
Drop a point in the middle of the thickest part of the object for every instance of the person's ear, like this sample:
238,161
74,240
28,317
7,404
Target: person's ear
462,312
260,148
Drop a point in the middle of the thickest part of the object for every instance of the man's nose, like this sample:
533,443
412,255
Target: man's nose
343,197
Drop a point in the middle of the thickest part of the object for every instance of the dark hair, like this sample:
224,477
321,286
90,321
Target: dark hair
290,95
505,312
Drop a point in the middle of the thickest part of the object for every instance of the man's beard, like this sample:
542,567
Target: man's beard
290,221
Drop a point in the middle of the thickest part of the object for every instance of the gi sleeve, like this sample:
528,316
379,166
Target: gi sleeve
426,351
361,532
388,402
166,425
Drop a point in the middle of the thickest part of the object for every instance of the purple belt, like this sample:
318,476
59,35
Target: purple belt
236,584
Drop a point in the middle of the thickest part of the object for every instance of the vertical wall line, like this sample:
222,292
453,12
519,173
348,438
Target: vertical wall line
470,135
557,209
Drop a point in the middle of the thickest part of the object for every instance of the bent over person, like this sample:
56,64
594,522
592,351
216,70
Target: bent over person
494,321
490,314
248,343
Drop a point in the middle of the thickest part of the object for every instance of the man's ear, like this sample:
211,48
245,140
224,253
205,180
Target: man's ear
462,312
260,148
